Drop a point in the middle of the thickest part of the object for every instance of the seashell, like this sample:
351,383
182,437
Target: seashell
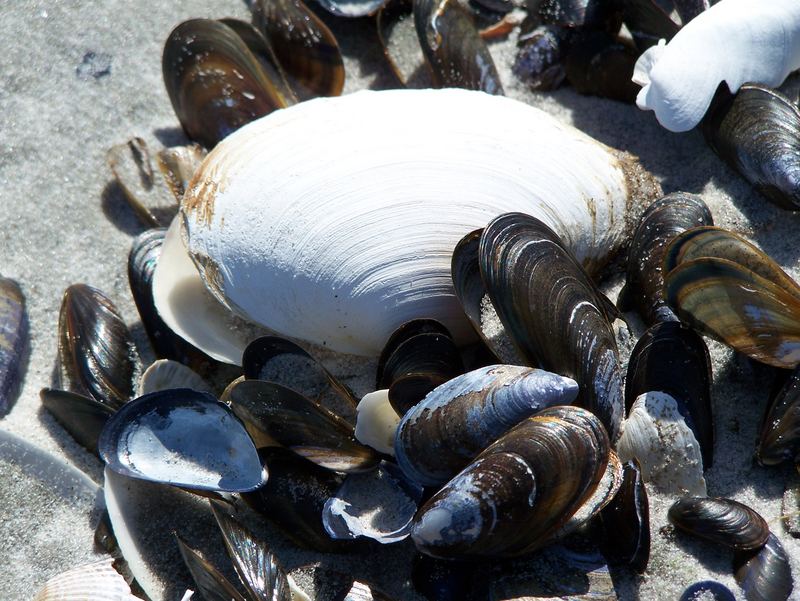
656,434
205,60
376,422
540,53
398,37
679,87
648,23
211,584
360,591
291,420
165,374
715,279
790,508
399,336
98,581
95,349
143,189
455,422
626,521
305,48
82,417
689,9
453,48
779,438
666,349
553,311
765,575
177,165
707,590
378,505
599,64
148,439
13,341
350,9
755,132
352,301
661,222
722,521
587,14
523,491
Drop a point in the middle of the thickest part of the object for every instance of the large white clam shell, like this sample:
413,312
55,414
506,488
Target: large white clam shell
334,220
735,41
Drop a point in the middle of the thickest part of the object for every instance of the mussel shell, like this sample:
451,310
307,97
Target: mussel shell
209,581
304,46
408,330
588,14
598,64
214,81
540,53
82,417
290,419
359,8
667,349
689,9
177,165
708,590
459,419
522,491
722,521
626,522
398,37
441,580
647,22
765,575
457,55
552,310
181,437
95,349
13,341
779,438
790,508
756,134
662,221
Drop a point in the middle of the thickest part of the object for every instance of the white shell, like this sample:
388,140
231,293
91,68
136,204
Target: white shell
166,373
97,581
376,422
668,452
735,41
334,220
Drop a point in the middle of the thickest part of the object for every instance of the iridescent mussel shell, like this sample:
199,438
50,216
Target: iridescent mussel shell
765,575
626,522
722,521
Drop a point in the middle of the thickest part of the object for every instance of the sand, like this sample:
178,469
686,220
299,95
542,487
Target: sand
78,77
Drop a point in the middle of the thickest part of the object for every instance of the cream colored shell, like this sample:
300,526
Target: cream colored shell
334,220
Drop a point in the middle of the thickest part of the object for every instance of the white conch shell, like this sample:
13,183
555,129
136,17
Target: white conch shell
334,220
735,41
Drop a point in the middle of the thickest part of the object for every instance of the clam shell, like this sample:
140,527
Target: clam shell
98,581
738,41
722,521
376,422
370,262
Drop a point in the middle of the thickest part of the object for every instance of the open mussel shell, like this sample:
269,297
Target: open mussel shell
13,341
724,287
552,311
708,590
722,521
598,64
182,437
667,349
177,165
457,55
626,522
210,583
98,581
756,133
304,46
214,81
459,419
540,55
96,354
765,574
81,416
276,414
535,484
662,221
779,439
408,330
143,188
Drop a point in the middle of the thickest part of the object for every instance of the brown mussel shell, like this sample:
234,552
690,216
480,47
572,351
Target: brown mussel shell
722,521
724,287
523,491
626,522
779,439
552,311
305,48
214,81
13,341
661,222
398,37
765,575
177,165
598,64
457,55
95,349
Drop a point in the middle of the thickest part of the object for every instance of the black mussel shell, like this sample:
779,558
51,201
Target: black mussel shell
665,350
184,438
442,580
304,46
647,22
626,522
82,417
765,575
398,37
294,496
406,331
96,354
661,222
276,414
779,439
214,81
13,341
756,133
177,165
553,311
598,64
457,55
209,581
540,56
722,521
708,590
587,14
